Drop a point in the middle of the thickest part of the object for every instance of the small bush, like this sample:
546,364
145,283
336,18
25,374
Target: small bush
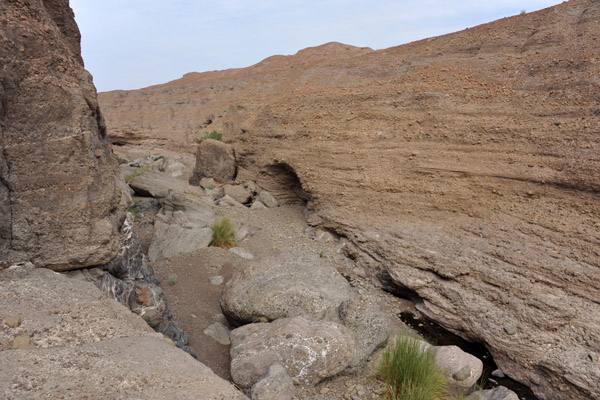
410,371
172,279
213,135
223,234
523,12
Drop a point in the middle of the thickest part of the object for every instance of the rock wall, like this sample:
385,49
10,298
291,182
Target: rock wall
465,165
58,194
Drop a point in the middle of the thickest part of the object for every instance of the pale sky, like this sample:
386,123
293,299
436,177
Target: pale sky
130,44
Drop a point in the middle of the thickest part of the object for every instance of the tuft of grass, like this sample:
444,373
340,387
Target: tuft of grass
322,254
410,371
213,135
210,187
223,234
134,211
172,279
139,172
158,158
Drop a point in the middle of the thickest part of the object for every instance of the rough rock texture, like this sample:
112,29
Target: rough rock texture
84,345
462,369
158,185
275,385
368,323
467,166
284,286
130,280
239,193
499,393
58,195
214,159
308,350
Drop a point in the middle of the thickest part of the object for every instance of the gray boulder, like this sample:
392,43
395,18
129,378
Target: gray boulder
267,199
239,193
308,350
172,240
230,201
86,345
285,286
158,184
146,206
214,159
498,393
257,205
462,369
197,212
276,385
368,324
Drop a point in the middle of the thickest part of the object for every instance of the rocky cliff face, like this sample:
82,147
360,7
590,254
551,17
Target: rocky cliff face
58,196
466,166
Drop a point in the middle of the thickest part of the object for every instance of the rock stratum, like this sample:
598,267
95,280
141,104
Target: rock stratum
58,194
465,166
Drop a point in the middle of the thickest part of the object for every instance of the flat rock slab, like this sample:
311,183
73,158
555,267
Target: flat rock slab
174,240
285,286
158,184
82,344
308,350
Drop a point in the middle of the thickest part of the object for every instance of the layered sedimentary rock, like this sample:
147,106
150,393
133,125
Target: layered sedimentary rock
465,165
58,195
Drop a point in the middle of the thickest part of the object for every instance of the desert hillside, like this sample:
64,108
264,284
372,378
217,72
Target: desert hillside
466,166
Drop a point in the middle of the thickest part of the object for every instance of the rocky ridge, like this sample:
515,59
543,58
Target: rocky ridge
465,166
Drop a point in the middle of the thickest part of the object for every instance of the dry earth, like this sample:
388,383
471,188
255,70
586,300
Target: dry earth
466,165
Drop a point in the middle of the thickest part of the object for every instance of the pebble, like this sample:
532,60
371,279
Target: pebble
498,374
13,322
22,343
510,330
593,357
216,280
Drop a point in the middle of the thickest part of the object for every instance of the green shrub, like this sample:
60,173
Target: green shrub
158,158
410,371
223,234
172,279
134,211
322,254
213,135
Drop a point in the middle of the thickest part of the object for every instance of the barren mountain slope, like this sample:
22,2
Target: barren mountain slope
465,165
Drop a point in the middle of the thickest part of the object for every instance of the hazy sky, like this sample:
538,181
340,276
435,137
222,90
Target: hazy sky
136,43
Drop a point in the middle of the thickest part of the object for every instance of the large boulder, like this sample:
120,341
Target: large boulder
285,286
461,369
275,385
58,193
214,159
308,350
172,240
159,184
83,345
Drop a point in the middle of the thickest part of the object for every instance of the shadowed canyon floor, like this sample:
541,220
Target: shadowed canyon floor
465,165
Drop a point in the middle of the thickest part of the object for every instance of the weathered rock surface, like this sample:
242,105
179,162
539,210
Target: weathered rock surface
283,286
275,385
499,393
467,166
369,325
238,192
158,185
188,210
308,350
214,159
462,369
58,195
83,344
171,240
267,199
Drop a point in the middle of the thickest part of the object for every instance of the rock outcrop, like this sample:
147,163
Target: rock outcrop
79,344
58,195
464,165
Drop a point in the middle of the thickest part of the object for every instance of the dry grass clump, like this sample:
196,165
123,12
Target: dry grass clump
410,371
223,234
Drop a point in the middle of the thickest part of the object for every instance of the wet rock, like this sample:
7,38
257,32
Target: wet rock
308,350
368,324
146,206
285,286
462,369
267,199
237,192
498,393
276,385
214,159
